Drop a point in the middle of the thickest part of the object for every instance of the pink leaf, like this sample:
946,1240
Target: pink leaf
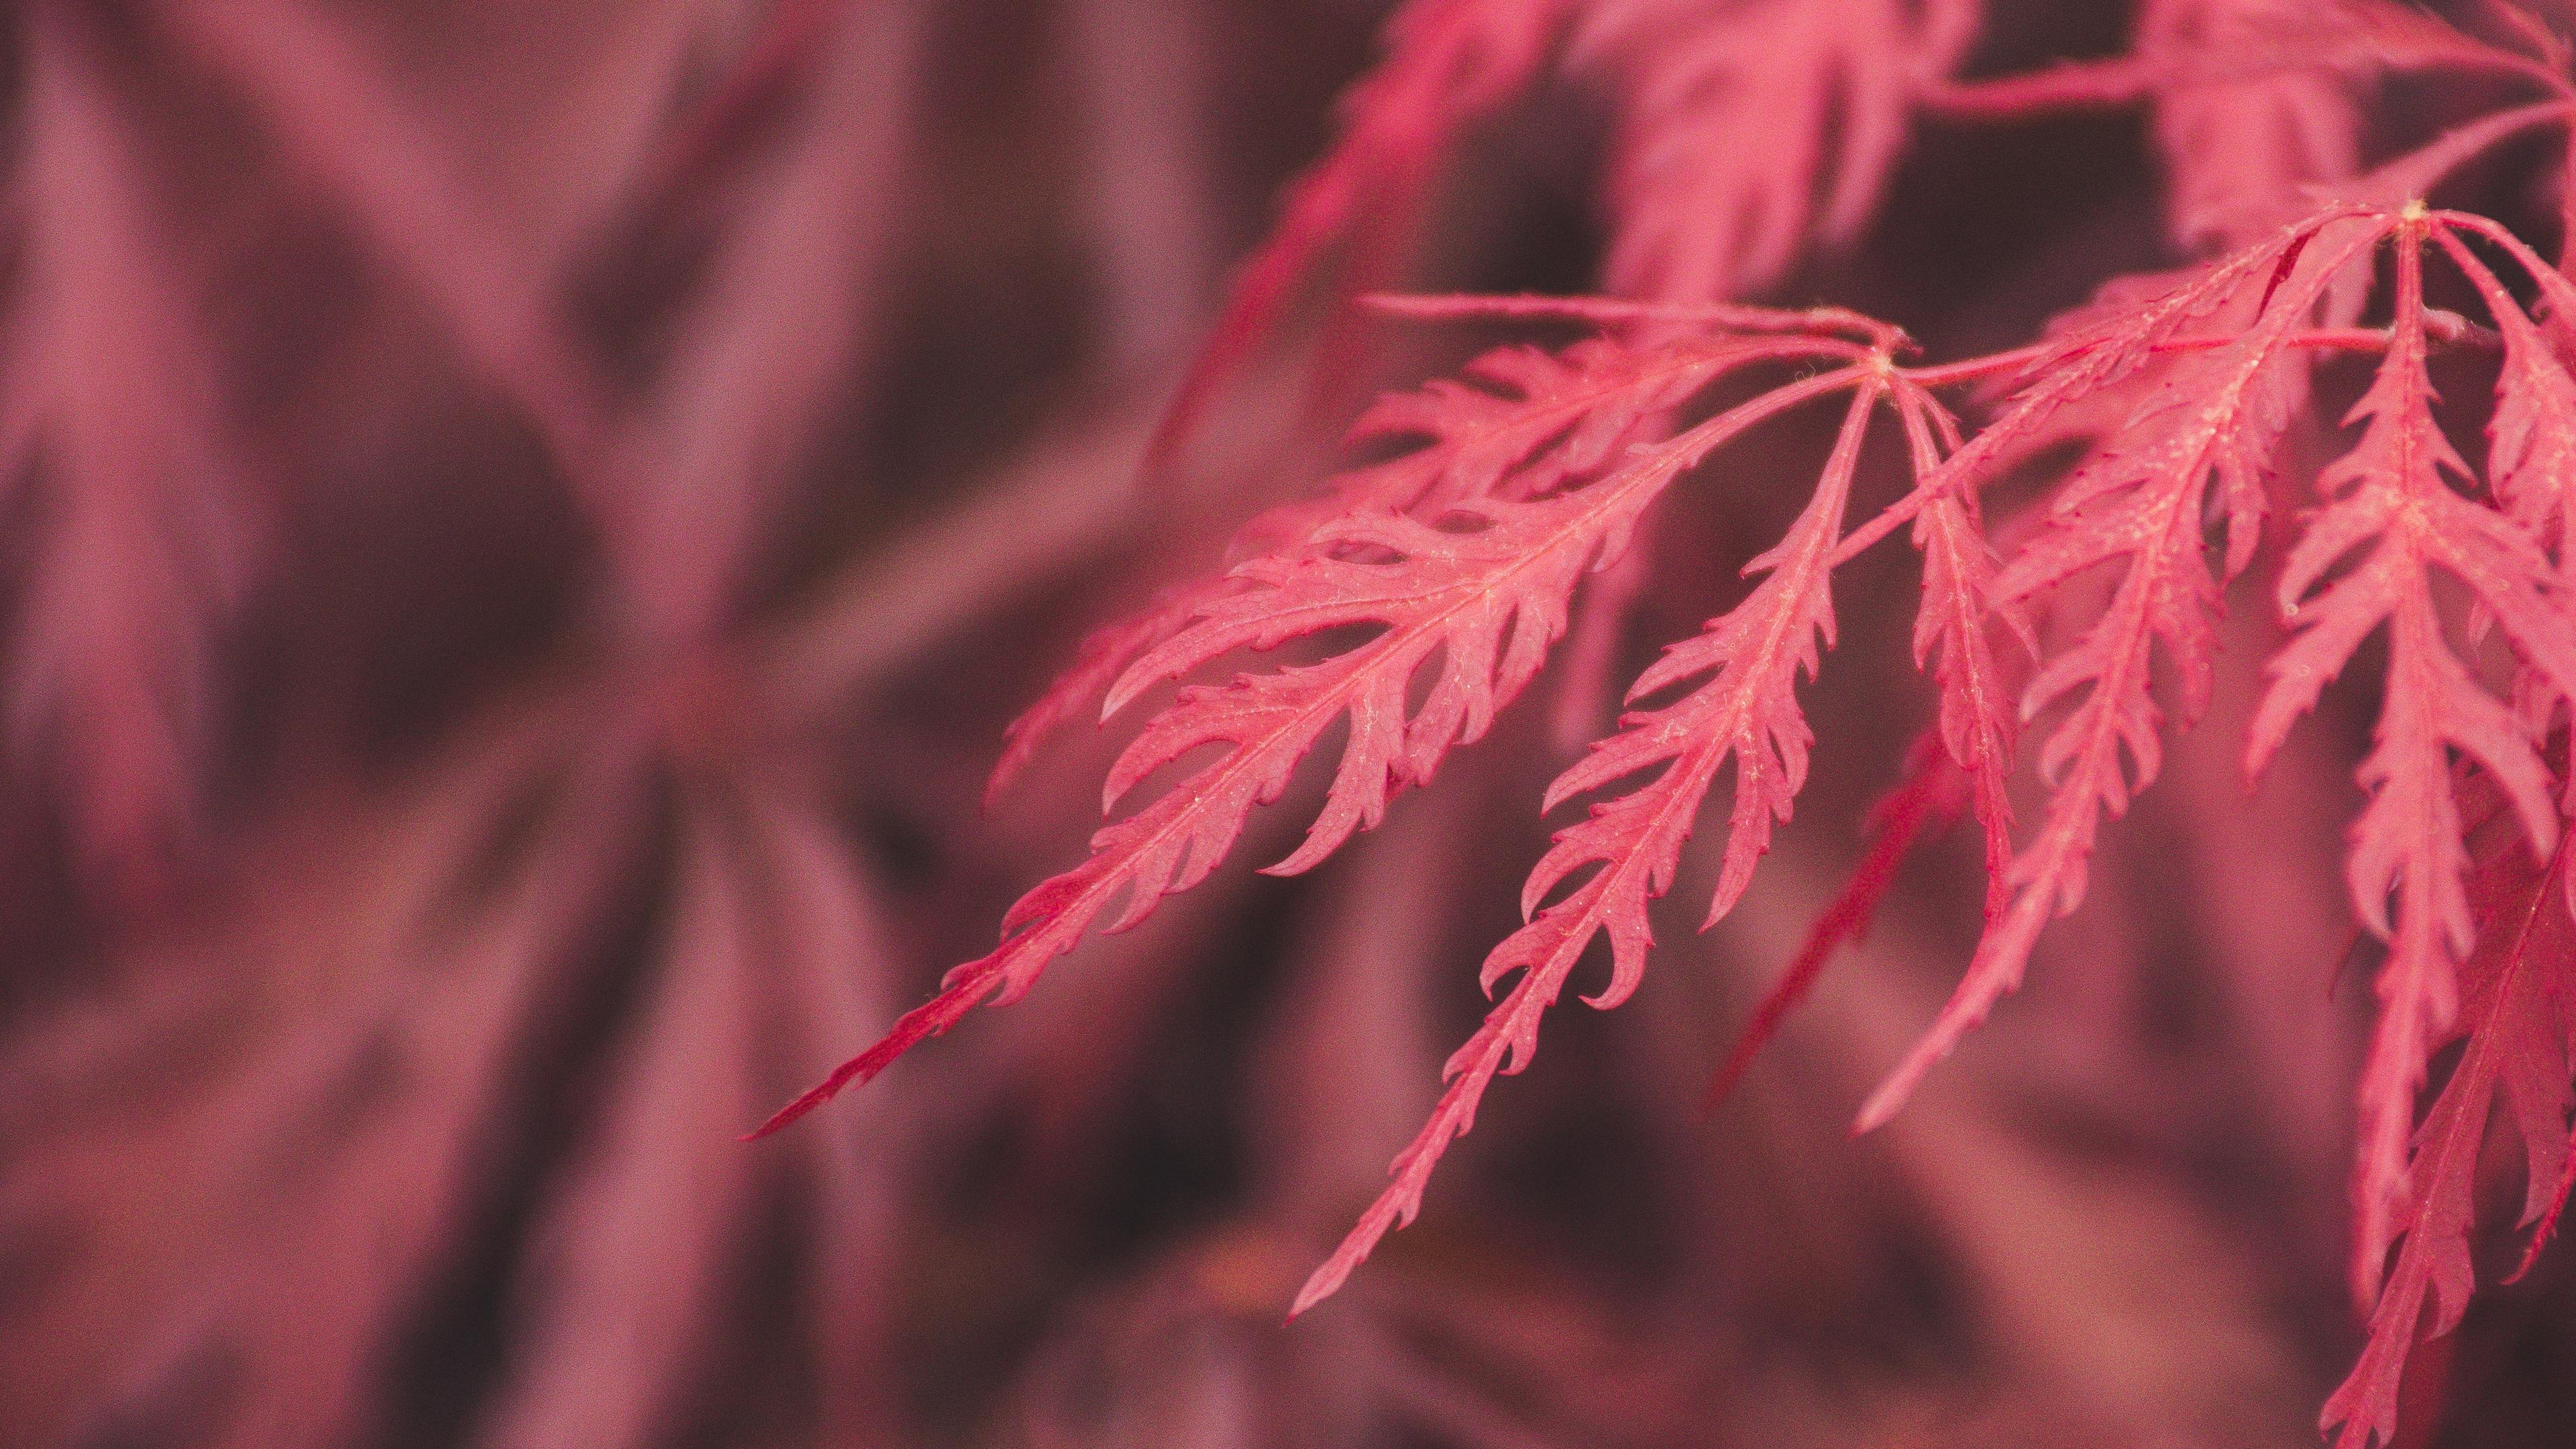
1534,418
1746,710
1448,63
1749,131
2238,147
2139,503
2391,500
2518,1008
1484,594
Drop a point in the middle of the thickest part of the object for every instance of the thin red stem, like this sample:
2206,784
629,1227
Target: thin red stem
1739,318
2080,85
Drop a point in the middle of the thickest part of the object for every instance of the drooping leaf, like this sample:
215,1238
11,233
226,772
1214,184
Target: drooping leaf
2391,500
1448,63
2518,1014
1752,129
2198,445
2236,148
1744,710
1517,415
1475,592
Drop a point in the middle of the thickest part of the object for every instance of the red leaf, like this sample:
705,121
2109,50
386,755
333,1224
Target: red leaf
1749,131
2531,461
1532,418
1448,63
2139,503
1745,711
2519,1016
2237,147
1976,724
1484,593
2390,498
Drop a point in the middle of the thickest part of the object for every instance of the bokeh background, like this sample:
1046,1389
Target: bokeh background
521,526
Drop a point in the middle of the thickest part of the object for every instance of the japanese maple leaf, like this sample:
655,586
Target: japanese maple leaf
1520,415
1448,64
2138,504
1475,591
2237,146
1748,130
1743,710
2518,1015
2391,500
